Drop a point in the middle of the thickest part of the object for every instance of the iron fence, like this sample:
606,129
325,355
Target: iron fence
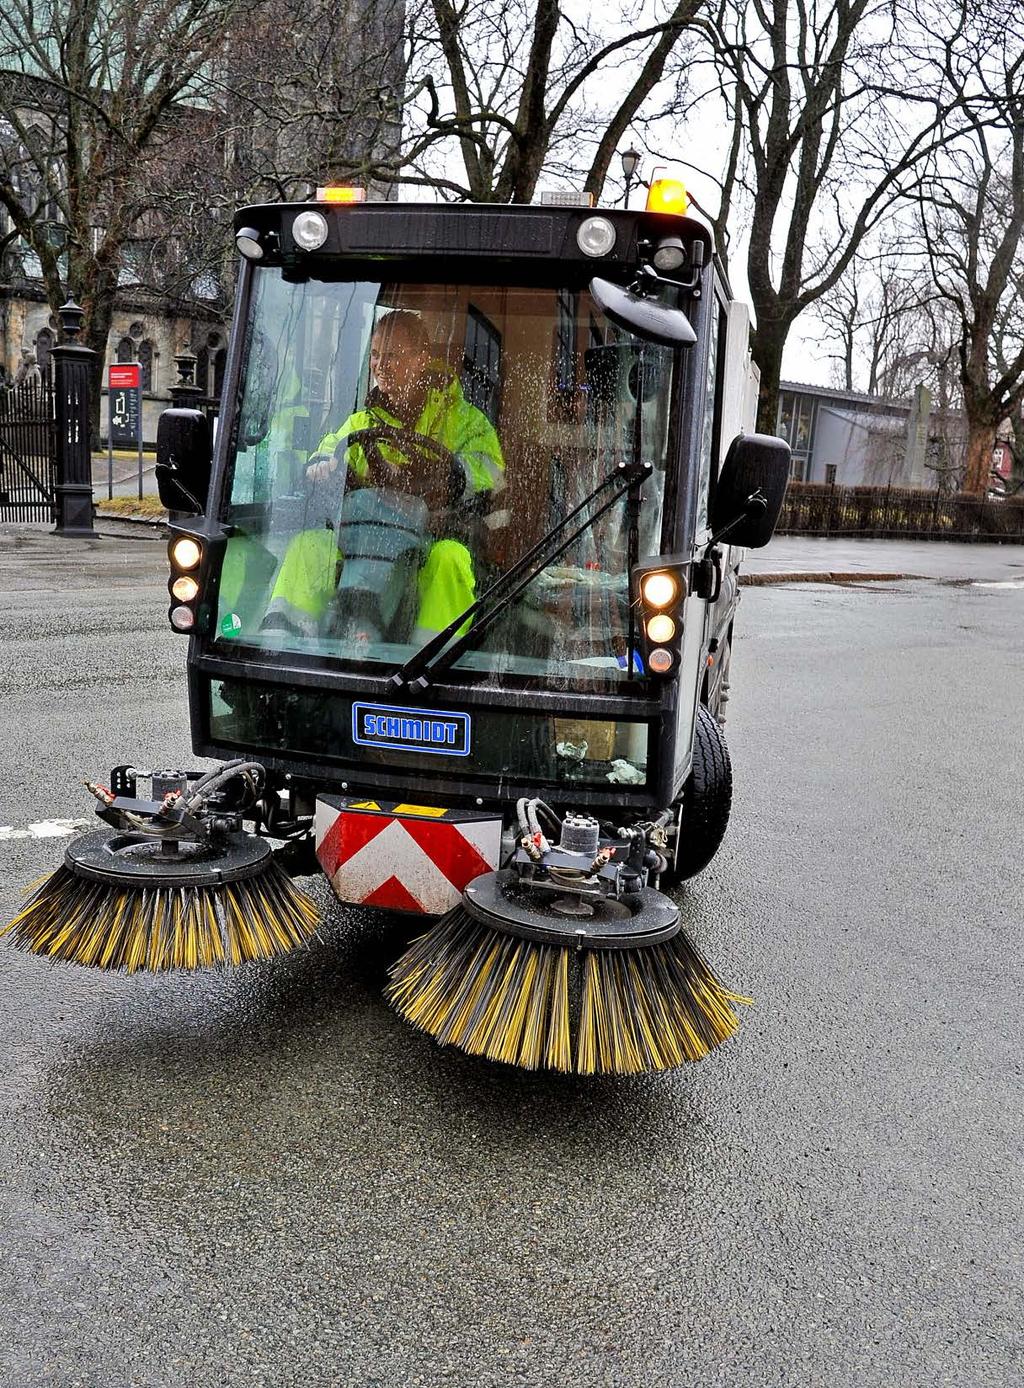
28,468
209,405
812,508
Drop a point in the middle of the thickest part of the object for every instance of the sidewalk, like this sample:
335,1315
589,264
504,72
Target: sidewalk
822,560
126,474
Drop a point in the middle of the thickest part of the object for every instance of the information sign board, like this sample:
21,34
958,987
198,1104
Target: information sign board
123,396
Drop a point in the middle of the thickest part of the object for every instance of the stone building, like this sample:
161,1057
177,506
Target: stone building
143,331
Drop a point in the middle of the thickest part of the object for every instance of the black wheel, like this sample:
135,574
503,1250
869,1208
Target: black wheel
705,802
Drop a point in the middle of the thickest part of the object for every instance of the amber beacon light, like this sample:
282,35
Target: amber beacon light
667,195
338,193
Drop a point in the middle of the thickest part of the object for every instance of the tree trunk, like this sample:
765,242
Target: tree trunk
981,440
93,282
766,349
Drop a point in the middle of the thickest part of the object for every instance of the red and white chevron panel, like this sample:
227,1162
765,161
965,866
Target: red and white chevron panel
403,857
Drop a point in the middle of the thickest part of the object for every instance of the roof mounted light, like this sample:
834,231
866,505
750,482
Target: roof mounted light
668,195
248,242
309,230
556,197
669,254
338,192
596,236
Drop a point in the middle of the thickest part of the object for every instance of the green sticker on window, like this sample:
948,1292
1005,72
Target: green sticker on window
231,625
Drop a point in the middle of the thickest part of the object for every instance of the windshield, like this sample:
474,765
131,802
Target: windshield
399,446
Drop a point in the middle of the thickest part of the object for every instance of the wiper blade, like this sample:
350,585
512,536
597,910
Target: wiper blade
441,651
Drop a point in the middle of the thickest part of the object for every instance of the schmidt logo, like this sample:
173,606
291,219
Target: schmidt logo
411,729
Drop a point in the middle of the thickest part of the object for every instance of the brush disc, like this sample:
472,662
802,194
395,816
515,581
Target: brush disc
120,901
631,996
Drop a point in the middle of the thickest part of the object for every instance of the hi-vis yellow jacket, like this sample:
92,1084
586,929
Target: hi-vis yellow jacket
449,419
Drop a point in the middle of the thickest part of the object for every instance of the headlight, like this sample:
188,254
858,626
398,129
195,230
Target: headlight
661,628
184,588
182,618
596,236
660,589
185,553
248,242
669,254
309,230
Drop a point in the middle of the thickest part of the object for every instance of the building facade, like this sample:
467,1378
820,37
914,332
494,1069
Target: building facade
854,439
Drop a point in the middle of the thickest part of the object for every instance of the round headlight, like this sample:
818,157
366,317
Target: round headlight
661,628
596,236
309,230
669,254
660,661
248,243
182,618
185,588
659,589
185,553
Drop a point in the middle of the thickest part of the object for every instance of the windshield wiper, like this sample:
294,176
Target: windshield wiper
437,654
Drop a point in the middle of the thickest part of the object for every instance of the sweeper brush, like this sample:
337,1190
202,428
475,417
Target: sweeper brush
546,965
174,884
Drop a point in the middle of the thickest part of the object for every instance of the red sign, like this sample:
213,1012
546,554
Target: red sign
125,376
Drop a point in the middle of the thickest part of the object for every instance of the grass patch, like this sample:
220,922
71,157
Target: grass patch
150,506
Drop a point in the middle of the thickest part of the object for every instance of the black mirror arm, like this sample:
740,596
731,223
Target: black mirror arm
172,474
755,505
707,574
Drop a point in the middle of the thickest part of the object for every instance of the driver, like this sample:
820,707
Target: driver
456,469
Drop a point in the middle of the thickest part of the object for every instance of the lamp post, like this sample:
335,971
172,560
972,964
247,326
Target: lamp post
630,163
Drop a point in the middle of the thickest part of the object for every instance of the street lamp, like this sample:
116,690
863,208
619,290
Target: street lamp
630,163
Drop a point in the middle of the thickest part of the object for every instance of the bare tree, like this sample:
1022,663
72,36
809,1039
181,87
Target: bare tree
500,90
824,139
971,223
887,325
87,91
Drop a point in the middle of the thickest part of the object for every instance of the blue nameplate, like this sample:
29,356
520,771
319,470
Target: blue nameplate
411,729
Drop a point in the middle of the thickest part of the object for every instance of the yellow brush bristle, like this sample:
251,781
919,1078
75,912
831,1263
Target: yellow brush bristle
507,999
153,929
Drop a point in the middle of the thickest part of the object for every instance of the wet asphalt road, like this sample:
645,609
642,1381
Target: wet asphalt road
264,1178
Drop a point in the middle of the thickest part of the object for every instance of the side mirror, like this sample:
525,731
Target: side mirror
751,489
646,318
183,461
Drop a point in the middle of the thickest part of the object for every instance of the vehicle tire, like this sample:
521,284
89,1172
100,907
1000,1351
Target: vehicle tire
705,802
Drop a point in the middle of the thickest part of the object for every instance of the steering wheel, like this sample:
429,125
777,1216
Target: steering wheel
426,473
398,435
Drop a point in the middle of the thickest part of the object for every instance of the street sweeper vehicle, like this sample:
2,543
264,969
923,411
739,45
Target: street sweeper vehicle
459,581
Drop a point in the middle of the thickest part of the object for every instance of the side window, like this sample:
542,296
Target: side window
146,366
709,430
44,341
481,363
563,356
796,426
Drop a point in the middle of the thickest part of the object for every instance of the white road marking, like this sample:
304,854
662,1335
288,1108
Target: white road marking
1000,583
45,829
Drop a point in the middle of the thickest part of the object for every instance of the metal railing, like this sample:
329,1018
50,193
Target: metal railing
812,508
